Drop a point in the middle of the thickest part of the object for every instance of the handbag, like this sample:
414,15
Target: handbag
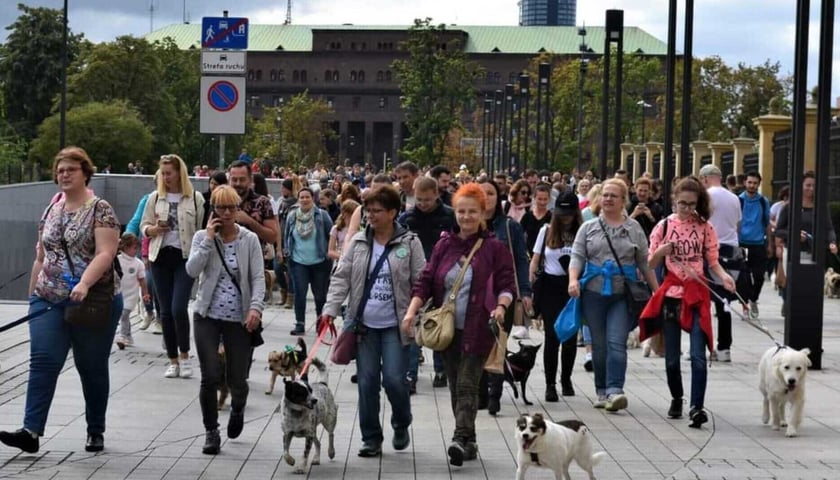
437,327
636,292
539,279
344,348
256,334
95,310
515,315
496,360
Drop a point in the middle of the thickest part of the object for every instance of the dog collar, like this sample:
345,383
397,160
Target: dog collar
535,458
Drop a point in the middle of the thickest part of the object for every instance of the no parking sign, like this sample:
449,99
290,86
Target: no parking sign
222,105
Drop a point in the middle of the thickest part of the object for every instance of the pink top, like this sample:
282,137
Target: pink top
693,242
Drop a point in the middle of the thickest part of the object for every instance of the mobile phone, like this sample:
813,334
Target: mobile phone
162,223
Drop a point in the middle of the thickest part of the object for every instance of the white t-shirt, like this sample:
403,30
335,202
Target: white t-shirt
551,262
133,271
726,214
379,310
172,237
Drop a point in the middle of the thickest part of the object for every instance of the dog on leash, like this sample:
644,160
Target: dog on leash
633,339
518,366
550,445
286,363
781,380
305,406
832,284
270,280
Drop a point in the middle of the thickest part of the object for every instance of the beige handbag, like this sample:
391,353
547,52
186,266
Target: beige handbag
436,328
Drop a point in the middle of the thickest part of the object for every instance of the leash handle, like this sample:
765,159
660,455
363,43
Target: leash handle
325,328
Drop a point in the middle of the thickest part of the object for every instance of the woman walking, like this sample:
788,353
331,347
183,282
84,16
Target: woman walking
172,216
227,260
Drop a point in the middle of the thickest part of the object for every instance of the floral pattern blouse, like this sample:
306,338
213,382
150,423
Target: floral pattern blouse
77,228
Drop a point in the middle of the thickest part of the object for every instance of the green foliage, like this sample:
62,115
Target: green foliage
31,65
111,133
436,81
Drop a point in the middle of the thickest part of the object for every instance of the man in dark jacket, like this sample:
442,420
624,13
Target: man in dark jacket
642,208
429,218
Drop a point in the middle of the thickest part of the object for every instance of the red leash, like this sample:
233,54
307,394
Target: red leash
325,328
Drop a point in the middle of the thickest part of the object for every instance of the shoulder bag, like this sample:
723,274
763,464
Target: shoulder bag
95,310
437,327
256,334
539,278
344,348
515,315
636,292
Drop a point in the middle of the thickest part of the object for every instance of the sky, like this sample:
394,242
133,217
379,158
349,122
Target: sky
749,31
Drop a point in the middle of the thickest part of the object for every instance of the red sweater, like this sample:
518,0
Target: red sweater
694,296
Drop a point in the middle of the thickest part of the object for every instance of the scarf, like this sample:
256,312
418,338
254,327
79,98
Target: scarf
304,223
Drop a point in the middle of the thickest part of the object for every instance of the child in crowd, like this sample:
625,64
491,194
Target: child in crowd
339,231
133,282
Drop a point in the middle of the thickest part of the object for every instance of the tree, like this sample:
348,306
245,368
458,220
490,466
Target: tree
111,133
31,64
295,133
436,81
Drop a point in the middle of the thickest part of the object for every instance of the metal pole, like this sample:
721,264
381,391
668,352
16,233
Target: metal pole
545,79
670,73
525,86
539,125
509,130
484,133
685,141
497,121
62,134
605,108
582,75
619,86
503,131
519,133
221,152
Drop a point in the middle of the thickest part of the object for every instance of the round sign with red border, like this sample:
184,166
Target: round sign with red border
222,96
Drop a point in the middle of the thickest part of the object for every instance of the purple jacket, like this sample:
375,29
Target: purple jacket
492,269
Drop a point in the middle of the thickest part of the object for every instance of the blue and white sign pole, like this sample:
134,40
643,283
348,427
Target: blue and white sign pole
223,97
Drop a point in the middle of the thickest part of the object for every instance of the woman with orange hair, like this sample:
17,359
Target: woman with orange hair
486,292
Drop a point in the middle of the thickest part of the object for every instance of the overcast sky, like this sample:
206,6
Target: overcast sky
749,31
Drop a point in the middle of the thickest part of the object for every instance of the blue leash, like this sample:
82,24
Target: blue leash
33,315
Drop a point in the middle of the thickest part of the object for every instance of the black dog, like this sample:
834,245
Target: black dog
518,366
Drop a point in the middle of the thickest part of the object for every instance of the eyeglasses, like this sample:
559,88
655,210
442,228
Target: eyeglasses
222,208
374,211
688,205
68,170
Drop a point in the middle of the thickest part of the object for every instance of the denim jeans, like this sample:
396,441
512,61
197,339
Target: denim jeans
152,305
381,360
173,286
50,340
237,342
318,276
697,350
609,325
414,362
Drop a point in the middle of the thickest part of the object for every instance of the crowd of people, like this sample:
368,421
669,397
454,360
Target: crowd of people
375,248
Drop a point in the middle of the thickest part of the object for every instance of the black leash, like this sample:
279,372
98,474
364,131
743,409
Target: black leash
33,315
18,277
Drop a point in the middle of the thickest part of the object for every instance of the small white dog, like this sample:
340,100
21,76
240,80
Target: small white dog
781,379
633,339
545,444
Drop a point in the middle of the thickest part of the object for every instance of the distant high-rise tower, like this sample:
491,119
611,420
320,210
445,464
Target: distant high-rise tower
547,12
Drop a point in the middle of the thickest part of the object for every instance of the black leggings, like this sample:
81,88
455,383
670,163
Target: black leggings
550,305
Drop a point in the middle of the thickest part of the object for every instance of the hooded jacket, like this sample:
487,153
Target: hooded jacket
429,225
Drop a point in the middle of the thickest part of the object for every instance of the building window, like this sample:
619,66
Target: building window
356,102
361,76
259,75
336,77
513,78
296,76
387,75
254,101
364,45
273,75
250,74
303,76
353,76
497,78
281,75
380,76
330,102
327,76
383,102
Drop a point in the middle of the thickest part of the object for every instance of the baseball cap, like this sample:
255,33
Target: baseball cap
567,204
710,171
463,166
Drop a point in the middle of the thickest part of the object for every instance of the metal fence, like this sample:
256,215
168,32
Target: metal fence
727,163
782,152
751,162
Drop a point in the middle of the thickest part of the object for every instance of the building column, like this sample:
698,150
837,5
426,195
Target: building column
700,148
638,168
677,162
742,146
718,149
652,149
768,127
626,150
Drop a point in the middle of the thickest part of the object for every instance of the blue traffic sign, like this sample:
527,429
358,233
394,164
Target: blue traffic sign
222,96
224,32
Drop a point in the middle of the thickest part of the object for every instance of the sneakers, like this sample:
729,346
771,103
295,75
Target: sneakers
567,388
120,341
370,450
616,402
22,439
493,405
147,320
698,417
753,310
551,393
456,453
212,442
412,386
297,332
186,368
722,356
675,410
172,371
157,328
401,438
587,362
235,424
601,402
439,381
470,451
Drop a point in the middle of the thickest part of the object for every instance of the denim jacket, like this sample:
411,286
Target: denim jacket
323,225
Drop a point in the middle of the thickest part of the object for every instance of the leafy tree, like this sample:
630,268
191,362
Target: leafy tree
436,81
181,81
31,64
112,133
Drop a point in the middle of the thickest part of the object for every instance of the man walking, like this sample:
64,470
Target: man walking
754,234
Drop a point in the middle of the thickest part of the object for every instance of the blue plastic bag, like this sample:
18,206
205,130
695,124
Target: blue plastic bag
568,321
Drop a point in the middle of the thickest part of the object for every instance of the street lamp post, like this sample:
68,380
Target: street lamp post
62,135
484,137
508,137
525,95
498,121
584,63
644,106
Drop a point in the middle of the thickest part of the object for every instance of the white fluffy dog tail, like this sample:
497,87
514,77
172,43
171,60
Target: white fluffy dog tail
323,376
597,457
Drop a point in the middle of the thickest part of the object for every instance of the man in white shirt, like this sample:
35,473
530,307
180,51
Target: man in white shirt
726,218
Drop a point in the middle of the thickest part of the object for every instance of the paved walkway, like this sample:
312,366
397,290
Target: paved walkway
155,431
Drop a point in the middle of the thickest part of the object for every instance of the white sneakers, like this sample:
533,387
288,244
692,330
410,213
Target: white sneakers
147,320
184,369
172,371
157,329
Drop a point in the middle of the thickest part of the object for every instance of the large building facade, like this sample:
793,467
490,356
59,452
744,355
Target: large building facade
560,13
350,68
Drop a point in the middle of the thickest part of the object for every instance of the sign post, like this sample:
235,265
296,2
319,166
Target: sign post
223,67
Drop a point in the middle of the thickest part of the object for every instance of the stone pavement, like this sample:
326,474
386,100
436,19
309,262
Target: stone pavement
155,431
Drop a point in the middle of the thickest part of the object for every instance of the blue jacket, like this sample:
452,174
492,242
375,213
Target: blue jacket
755,217
134,224
323,225
520,257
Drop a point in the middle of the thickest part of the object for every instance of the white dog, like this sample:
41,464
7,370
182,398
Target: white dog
551,445
781,379
633,339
